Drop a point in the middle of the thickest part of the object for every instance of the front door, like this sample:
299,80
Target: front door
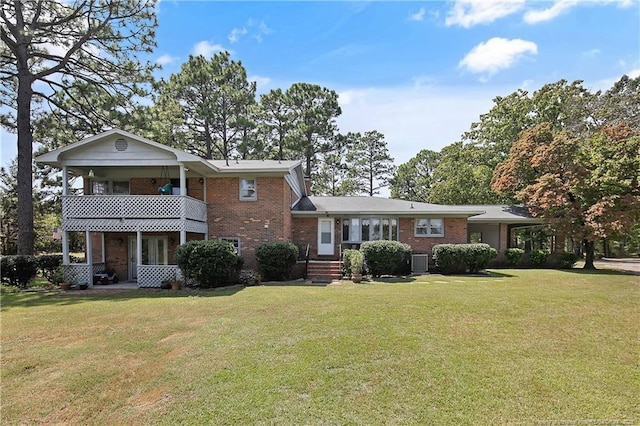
325,236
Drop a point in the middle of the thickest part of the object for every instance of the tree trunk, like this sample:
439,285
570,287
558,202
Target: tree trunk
25,159
589,249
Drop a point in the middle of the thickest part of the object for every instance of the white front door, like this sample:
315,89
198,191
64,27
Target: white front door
325,236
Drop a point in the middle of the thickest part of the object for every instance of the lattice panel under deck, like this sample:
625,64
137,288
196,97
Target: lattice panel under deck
153,275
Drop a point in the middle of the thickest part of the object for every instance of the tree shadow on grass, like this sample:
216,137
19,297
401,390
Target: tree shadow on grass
73,297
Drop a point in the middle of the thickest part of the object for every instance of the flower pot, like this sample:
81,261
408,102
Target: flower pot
65,286
356,278
175,285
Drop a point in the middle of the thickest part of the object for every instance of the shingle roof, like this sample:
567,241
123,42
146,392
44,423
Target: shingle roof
377,205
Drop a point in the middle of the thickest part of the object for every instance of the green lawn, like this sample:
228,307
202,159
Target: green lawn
517,347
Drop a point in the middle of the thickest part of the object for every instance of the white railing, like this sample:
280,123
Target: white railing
133,207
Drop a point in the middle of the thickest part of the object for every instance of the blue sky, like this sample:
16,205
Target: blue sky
419,72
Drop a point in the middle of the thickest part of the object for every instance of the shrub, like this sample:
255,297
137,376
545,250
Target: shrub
18,270
460,258
210,263
276,260
538,257
567,260
248,277
49,264
513,255
386,257
347,255
357,262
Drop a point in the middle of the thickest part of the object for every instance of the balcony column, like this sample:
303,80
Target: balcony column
138,254
65,247
65,180
183,180
183,205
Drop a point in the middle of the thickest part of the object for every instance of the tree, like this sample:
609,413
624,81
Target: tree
212,98
463,177
58,44
586,187
276,124
370,164
314,111
414,179
333,177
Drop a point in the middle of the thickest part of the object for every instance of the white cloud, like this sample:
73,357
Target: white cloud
261,82
496,54
467,13
591,53
207,49
543,15
166,59
418,16
234,35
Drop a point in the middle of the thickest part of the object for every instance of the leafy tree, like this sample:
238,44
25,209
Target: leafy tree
586,187
414,179
619,104
57,44
462,177
212,98
370,164
314,111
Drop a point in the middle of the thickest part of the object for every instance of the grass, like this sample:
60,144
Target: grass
516,347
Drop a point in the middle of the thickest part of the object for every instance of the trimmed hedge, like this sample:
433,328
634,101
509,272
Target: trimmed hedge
347,254
276,260
18,270
568,260
386,257
538,257
49,264
210,263
513,255
462,258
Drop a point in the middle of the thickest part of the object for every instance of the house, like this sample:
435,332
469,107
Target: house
142,199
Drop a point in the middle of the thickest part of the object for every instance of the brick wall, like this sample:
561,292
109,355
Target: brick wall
455,232
305,231
267,219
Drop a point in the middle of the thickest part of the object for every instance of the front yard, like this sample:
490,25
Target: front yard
516,347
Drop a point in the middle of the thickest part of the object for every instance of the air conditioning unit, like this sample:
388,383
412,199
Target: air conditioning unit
419,263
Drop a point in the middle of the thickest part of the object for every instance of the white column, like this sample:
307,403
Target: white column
65,247
183,180
65,180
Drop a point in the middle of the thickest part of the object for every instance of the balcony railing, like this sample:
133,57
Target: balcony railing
133,207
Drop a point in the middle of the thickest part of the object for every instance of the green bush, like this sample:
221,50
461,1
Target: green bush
18,270
513,255
568,260
538,257
347,255
209,263
386,257
460,258
357,262
49,264
247,277
276,260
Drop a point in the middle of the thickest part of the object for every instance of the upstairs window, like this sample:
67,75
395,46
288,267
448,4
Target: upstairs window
248,190
433,227
104,187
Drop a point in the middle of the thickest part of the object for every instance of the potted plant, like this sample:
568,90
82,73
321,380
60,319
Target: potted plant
357,263
57,278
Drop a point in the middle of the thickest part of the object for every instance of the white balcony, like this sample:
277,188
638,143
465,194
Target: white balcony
128,213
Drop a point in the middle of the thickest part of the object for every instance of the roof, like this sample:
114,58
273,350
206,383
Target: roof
254,166
502,214
317,206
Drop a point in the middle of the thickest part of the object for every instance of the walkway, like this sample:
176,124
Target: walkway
629,264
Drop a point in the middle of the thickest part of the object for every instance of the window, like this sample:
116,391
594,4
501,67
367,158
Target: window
429,227
109,187
234,241
248,189
359,229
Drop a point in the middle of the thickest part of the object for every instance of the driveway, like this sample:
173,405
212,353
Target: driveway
629,264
